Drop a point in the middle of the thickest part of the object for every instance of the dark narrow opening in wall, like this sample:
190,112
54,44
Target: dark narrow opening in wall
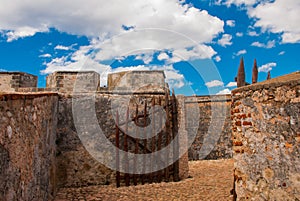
142,122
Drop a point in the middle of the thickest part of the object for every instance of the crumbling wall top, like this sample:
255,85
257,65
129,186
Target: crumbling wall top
208,98
292,78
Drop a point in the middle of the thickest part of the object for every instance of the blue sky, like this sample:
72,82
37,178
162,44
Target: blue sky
197,43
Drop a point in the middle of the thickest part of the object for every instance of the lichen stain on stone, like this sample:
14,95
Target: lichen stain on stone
9,132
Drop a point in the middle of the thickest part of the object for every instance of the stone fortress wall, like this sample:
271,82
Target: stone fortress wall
66,162
266,139
52,153
27,146
213,139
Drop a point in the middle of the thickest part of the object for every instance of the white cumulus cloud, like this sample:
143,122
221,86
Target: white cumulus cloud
217,58
239,2
170,25
108,17
253,33
162,56
45,55
239,34
231,84
225,40
267,67
214,83
270,44
279,16
61,47
146,57
230,23
241,52
224,91
22,31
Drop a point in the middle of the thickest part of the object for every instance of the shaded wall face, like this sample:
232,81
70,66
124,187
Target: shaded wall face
76,167
27,147
27,80
213,133
266,137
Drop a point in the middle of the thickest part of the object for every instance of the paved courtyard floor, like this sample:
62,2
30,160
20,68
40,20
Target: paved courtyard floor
210,180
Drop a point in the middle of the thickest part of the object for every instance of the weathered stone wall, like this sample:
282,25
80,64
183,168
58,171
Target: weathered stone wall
209,117
134,81
11,81
27,146
76,167
266,137
73,81
183,137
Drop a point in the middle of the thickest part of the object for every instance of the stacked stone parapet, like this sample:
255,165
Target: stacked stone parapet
73,81
127,82
137,81
13,81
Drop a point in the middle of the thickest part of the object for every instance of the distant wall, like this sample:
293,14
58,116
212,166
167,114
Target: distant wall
213,134
266,139
121,82
11,81
134,81
69,81
27,146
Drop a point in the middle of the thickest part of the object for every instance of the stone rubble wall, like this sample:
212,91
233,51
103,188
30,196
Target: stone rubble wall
213,133
27,146
266,137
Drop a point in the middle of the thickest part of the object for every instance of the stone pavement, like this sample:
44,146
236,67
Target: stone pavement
209,180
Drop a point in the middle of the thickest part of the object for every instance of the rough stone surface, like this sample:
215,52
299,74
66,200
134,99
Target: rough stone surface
209,180
37,155
12,81
76,167
209,116
183,138
27,146
266,132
